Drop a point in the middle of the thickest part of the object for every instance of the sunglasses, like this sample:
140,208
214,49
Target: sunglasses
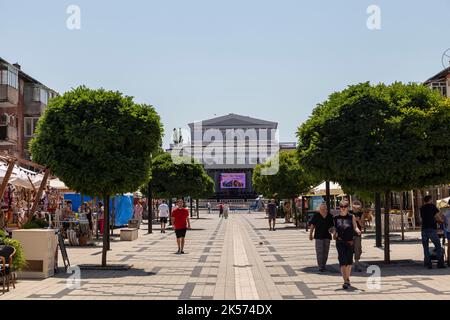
343,207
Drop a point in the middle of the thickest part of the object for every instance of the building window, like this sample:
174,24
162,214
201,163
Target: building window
9,76
441,87
40,95
30,126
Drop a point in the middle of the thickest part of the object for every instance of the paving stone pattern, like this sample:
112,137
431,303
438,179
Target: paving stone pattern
236,258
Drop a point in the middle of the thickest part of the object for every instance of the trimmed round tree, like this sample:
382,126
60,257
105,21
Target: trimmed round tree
379,139
181,178
290,181
98,142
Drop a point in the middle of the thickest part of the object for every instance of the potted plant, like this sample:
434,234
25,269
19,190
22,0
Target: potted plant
19,260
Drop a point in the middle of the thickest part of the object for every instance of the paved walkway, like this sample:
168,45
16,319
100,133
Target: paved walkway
237,258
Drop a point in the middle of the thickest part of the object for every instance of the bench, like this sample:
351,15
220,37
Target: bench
128,234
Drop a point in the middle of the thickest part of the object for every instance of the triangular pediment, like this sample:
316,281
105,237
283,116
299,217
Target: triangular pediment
235,120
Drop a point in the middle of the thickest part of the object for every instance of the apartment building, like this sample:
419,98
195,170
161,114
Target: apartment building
440,82
22,102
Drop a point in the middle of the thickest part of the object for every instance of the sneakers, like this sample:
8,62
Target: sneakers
345,286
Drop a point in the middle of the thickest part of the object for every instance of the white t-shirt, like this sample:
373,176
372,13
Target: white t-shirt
163,210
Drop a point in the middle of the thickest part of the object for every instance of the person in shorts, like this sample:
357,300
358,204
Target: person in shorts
272,214
180,223
163,211
357,239
345,227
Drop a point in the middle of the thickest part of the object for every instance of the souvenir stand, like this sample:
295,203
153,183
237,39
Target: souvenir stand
18,193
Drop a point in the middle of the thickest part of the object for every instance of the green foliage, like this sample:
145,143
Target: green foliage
98,142
19,260
290,181
171,179
36,224
377,138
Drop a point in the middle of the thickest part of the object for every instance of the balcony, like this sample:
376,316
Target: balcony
9,96
9,86
8,133
35,98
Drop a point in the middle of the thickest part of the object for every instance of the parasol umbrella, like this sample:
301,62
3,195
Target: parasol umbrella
443,203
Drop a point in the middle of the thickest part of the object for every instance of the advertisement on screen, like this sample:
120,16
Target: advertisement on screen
232,180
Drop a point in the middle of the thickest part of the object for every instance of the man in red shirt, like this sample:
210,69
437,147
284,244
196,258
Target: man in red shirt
180,222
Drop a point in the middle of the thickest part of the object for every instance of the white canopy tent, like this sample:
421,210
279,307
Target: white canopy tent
24,178
320,190
21,177
443,203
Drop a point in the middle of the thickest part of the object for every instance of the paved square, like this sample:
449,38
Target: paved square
237,258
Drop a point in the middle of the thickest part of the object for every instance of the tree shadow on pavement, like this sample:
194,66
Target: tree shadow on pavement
105,274
396,268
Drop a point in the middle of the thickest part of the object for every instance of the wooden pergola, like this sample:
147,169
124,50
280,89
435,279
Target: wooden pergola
11,161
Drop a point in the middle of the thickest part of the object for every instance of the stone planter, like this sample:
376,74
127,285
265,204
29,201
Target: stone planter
39,246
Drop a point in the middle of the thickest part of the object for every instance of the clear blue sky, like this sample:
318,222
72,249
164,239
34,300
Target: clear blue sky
273,60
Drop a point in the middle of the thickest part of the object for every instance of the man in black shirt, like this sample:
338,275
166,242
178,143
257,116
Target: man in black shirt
320,225
357,239
428,214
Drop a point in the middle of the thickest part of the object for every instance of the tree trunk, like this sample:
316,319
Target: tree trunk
378,232
105,230
170,211
304,214
402,207
113,217
293,209
417,204
191,206
150,207
387,207
197,209
327,196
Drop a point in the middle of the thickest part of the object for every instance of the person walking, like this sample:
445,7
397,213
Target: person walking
287,212
272,214
226,210
343,231
163,211
220,209
101,217
321,223
429,214
209,207
357,239
181,223
138,210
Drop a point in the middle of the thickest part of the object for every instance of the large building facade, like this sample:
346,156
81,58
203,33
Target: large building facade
22,101
229,147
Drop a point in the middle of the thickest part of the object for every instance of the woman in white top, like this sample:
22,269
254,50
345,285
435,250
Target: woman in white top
163,211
